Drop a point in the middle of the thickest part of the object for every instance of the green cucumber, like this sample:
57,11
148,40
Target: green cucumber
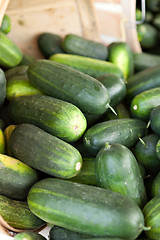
143,103
18,215
57,117
16,71
145,152
6,24
87,175
10,54
145,60
117,170
33,145
19,180
2,142
90,66
154,120
123,131
85,209
155,188
74,44
115,86
151,216
121,54
49,43
142,81
28,235
20,86
2,87
65,83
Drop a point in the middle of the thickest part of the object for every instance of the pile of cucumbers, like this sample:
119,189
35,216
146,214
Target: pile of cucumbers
79,140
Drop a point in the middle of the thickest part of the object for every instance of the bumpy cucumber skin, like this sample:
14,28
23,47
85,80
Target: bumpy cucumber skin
18,215
57,117
78,45
142,81
155,120
85,209
19,180
143,103
90,66
10,54
2,87
44,152
121,54
123,131
67,84
28,235
117,169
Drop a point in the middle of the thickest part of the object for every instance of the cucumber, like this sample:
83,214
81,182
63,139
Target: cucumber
2,87
18,215
57,117
151,216
155,188
90,66
6,24
65,83
115,86
117,170
87,175
142,81
154,120
10,54
123,131
74,44
121,54
145,60
85,209
33,145
26,60
145,153
143,103
49,43
2,142
20,86
28,235
19,180
16,71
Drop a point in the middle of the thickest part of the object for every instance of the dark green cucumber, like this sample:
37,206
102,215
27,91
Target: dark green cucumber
155,188
117,170
87,174
28,235
121,54
151,216
155,120
20,86
44,152
19,180
147,35
145,152
18,215
57,117
10,54
142,81
123,131
6,24
74,44
145,60
90,66
16,71
85,209
115,86
65,83
49,43
2,142
143,103
2,87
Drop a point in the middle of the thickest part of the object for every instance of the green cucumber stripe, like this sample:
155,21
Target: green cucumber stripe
9,49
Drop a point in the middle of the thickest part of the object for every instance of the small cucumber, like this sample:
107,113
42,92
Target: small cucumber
28,235
19,180
18,215
123,131
143,103
6,24
74,44
117,170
